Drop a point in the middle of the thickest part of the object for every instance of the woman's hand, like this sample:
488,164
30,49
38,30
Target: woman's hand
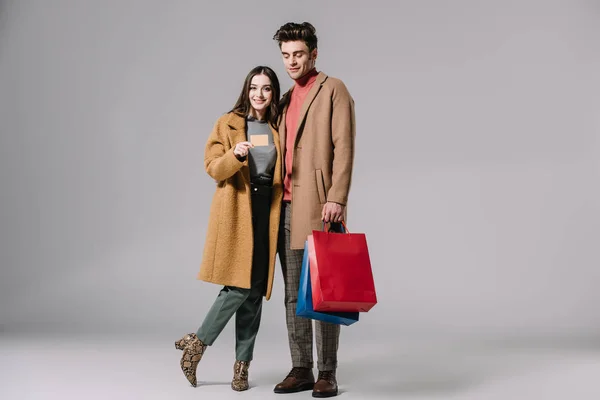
241,149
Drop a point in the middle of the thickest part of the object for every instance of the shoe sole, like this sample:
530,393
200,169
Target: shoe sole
325,395
301,388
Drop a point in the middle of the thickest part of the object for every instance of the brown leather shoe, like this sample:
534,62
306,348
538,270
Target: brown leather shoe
298,380
326,385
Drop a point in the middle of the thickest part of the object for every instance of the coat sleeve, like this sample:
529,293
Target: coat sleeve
219,160
342,133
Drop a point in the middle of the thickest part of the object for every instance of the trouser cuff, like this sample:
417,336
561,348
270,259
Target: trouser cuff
327,367
302,365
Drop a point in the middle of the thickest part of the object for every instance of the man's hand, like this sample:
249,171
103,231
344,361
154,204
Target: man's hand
332,212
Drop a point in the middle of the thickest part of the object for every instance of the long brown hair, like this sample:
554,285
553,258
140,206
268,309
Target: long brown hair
242,106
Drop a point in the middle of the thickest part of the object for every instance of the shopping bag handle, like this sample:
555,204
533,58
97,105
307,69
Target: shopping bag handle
343,224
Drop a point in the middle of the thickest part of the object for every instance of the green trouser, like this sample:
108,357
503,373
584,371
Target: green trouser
246,304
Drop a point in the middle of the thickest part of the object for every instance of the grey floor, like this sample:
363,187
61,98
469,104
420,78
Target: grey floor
134,367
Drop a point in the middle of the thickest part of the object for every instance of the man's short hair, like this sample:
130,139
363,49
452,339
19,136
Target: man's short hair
292,31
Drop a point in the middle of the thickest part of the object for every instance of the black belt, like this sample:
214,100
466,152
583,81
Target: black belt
263,190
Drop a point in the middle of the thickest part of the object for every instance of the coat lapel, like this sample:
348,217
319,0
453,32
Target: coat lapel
277,142
285,101
238,129
310,97
237,133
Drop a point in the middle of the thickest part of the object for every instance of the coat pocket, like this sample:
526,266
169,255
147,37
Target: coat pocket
320,186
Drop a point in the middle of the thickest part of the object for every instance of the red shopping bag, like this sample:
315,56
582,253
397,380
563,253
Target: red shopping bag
340,271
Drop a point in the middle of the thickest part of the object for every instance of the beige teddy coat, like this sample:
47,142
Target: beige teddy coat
227,257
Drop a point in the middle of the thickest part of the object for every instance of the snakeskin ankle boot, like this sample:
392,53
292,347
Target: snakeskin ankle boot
181,343
240,376
193,349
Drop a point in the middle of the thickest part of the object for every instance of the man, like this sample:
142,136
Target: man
317,138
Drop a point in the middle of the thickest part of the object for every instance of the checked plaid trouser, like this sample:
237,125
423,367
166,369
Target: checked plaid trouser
300,329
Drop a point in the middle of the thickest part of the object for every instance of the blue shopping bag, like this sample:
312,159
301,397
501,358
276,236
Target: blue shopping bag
304,308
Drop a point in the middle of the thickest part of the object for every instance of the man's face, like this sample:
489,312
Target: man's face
297,59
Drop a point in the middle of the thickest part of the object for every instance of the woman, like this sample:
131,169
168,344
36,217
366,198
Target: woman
243,155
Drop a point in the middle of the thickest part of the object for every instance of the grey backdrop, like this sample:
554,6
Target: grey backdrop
476,177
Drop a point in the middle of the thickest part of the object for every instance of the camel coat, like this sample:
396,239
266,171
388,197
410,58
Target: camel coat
323,154
227,257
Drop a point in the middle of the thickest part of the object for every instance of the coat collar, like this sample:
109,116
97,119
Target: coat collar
285,100
310,97
312,93
236,122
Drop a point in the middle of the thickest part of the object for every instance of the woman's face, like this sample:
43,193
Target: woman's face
261,94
